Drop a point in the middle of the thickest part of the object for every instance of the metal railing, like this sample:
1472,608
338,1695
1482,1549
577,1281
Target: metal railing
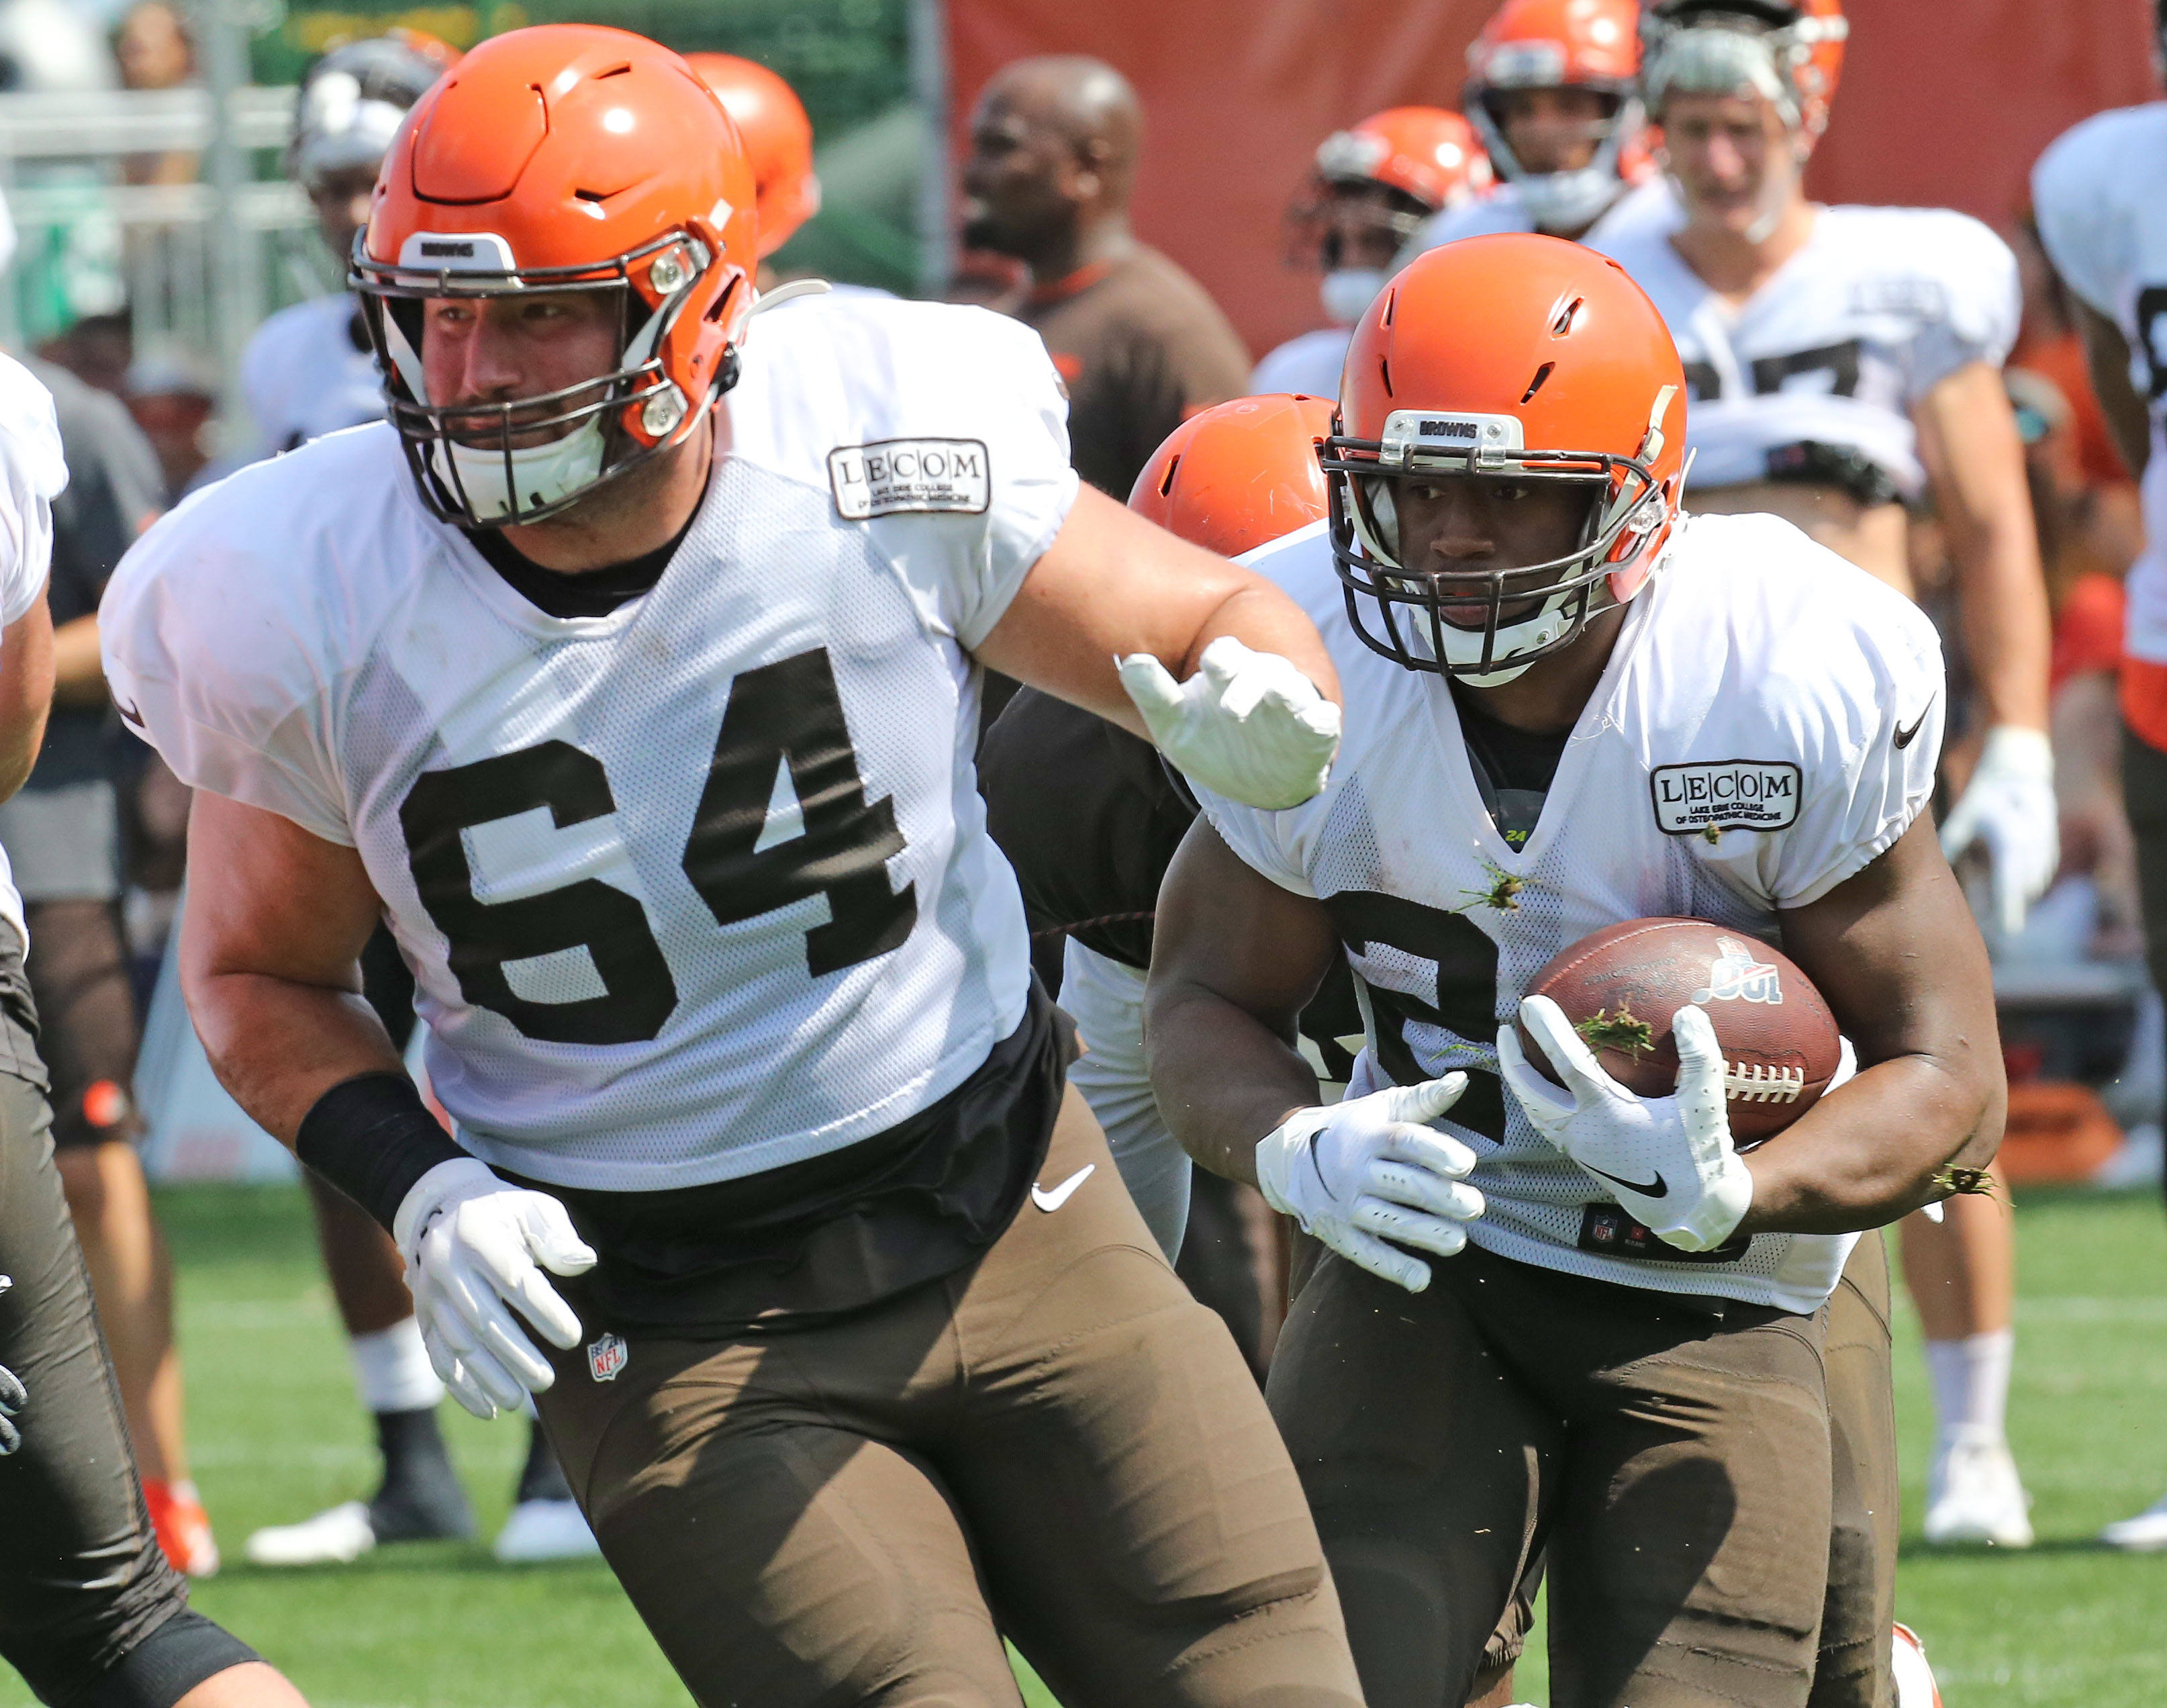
197,264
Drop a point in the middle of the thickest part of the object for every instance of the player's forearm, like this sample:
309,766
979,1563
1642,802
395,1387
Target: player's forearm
1967,437
1264,619
1222,1078
1878,1148
2006,629
278,1045
78,671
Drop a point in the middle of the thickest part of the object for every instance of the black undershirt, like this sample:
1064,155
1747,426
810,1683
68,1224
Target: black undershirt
584,593
1512,767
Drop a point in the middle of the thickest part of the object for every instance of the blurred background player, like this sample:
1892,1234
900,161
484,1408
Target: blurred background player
92,1612
62,835
778,140
1054,143
1375,183
1841,362
1550,92
2103,219
309,371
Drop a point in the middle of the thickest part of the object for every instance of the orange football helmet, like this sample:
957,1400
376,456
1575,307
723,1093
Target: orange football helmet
1428,154
1516,356
1239,474
1412,162
562,157
778,138
1790,51
1561,44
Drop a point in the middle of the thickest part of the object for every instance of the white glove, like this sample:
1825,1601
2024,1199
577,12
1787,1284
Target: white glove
1247,725
1667,1160
475,1248
2008,808
1368,1167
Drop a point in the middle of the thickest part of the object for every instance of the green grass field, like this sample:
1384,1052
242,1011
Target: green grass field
276,1435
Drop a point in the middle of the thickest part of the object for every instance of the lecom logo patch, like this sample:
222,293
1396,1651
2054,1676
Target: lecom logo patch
901,475
1730,794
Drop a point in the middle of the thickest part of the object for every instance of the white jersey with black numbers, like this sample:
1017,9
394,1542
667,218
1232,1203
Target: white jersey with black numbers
2097,195
1880,305
1767,725
308,371
33,473
699,888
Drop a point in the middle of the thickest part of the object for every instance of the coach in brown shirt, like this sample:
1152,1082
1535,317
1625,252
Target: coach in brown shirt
1053,153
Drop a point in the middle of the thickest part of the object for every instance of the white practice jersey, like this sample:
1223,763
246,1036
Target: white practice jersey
2103,217
696,890
303,374
1309,364
33,473
1648,204
1881,305
1767,725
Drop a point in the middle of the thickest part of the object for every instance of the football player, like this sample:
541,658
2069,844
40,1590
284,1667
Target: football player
631,672
91,1612
2104,224
1576,1319
310,370
1550,92
1376,183
1843,360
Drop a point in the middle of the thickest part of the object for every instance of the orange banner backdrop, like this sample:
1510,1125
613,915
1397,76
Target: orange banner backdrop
1943,102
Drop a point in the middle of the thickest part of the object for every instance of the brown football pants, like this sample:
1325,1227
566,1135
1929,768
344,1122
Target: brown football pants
1057,1445
1673,1462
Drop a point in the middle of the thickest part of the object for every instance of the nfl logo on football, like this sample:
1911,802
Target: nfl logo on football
606,1357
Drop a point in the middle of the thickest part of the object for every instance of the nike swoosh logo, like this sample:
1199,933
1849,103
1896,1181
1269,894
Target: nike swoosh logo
1053,1201
128,713
1647,1189
1904,736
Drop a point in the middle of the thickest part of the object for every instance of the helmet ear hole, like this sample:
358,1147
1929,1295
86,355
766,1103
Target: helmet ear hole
1535,385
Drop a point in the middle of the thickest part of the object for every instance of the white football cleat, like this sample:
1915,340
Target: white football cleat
2145,1534
1974,1494
338,1537
1915,1680
546,1530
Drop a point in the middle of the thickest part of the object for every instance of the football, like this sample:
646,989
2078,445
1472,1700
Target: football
1620,986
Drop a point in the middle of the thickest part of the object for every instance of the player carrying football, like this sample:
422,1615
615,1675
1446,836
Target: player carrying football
1577,1321
631,673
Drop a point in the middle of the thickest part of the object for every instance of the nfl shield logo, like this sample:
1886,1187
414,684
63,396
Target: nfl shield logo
607,1356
